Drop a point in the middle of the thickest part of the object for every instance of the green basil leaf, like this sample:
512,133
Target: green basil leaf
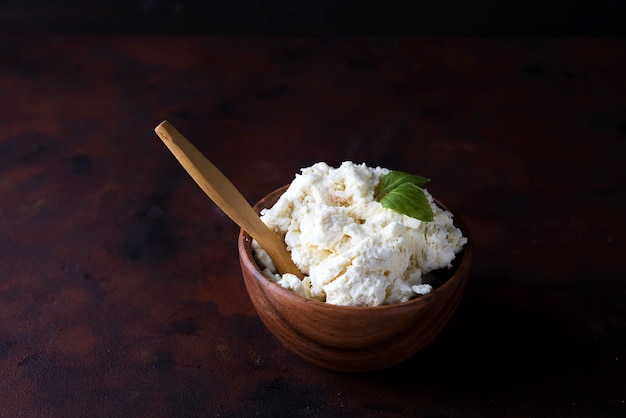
394,179
409,200
401,192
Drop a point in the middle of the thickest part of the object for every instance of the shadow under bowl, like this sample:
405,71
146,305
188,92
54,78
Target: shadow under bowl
354,338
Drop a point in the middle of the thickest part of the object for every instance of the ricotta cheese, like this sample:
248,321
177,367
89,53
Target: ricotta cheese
351,249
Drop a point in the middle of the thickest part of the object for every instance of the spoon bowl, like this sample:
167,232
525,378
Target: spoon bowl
350,338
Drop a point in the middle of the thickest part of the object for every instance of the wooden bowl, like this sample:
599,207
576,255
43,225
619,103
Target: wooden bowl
349,338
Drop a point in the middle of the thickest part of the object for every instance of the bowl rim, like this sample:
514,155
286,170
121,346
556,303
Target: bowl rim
466,255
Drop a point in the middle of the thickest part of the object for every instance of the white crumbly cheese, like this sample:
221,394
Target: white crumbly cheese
352,250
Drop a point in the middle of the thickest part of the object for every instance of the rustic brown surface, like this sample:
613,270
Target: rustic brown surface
120,289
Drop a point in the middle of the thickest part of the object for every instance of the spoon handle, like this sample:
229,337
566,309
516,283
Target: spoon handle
226,196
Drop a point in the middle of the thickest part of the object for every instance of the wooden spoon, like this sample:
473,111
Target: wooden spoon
226,196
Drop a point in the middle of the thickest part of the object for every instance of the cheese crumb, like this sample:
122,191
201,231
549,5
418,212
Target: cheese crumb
352,250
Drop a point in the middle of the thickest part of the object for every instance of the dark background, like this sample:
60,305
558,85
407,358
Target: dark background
318,17
120,291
